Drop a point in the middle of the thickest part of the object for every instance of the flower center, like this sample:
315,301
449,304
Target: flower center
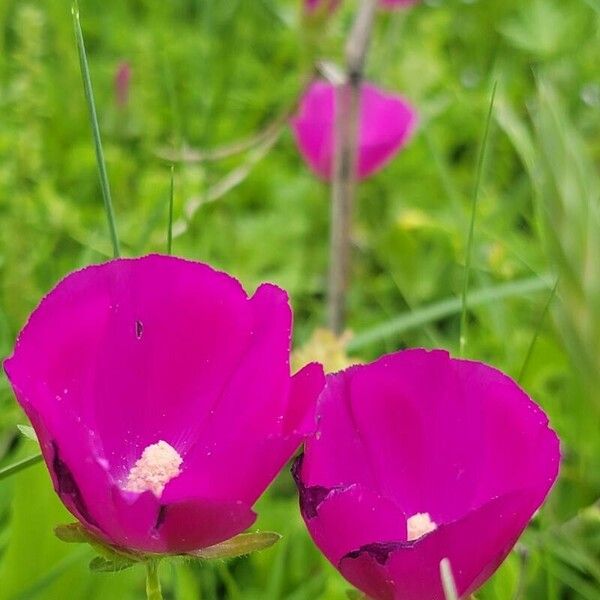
158,464
419,525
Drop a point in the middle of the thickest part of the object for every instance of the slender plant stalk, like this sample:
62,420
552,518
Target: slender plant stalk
89,97
536,334
478,178
19,466
170,224
153,591
343,188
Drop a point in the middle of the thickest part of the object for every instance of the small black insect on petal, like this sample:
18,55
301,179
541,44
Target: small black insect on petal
139,329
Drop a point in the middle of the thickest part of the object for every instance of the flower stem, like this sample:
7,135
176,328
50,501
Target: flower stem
153,581
343,188
19,466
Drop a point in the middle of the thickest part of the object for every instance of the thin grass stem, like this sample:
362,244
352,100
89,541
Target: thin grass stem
474,202
89,97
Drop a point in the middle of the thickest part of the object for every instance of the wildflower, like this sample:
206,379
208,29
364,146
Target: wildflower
122,83
420,457
162,399
386,124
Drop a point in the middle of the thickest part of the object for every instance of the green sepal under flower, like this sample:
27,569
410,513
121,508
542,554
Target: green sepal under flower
113,558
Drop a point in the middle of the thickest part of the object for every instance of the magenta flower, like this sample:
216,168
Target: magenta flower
162,398
386,124
420,457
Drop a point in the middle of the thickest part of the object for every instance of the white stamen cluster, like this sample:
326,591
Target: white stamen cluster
419,525
158,464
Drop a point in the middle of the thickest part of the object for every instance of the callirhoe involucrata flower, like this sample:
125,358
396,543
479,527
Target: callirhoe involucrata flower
420,457
162,399
386,123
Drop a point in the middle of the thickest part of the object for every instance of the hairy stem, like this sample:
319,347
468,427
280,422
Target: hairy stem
152,581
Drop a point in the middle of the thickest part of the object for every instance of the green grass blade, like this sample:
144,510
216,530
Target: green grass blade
477,187
445,308
20,466
89,97
170,224
537,331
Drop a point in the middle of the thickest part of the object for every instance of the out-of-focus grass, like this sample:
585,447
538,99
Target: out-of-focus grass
208,73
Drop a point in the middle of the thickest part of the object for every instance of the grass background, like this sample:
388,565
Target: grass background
207,73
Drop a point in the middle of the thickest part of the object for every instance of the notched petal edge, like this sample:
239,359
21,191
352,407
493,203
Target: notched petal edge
310,497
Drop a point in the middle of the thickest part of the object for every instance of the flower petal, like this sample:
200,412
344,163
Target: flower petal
344,519
260,420
387,122
132,345
475,545
418,422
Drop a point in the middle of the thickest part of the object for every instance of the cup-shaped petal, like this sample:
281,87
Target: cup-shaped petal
386,124
420,457
162,398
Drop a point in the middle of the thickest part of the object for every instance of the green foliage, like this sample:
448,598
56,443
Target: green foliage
207,74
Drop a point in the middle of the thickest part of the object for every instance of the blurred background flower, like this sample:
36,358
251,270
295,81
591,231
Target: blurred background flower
387,123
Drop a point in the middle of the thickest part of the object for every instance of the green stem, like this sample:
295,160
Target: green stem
170,225
19,466
153,581
480,163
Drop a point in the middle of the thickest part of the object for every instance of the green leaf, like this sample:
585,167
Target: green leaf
72,533
355,595
444,308
76,533
99,564
28,432
242,544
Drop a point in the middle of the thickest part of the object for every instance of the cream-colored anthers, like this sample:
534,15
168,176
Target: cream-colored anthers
419,525
158,464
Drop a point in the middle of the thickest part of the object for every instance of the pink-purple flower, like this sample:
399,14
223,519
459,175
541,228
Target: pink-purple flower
162,398
387,122
122,84
420,457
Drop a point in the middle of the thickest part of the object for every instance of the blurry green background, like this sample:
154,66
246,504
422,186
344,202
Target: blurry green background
207,73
